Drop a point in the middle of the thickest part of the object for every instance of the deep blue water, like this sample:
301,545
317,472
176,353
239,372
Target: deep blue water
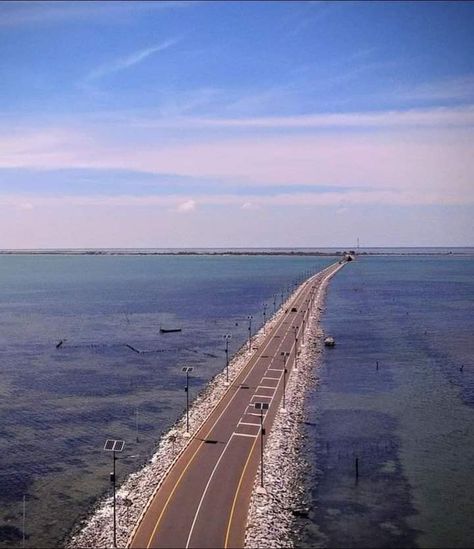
410,423
58,405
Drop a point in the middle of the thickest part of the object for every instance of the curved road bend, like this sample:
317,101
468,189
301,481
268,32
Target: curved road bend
203,502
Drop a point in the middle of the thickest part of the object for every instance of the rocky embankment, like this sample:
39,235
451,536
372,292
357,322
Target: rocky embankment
135,493
272,512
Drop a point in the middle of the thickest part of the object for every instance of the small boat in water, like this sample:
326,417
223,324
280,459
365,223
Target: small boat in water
329,342
169,330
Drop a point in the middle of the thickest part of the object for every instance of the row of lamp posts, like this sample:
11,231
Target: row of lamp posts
117,446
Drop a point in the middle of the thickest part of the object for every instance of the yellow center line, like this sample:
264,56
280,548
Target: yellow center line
250,368
231,516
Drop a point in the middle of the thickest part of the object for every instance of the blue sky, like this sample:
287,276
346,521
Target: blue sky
236,123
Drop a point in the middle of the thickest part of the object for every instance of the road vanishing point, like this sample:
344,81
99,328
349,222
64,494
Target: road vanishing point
204,499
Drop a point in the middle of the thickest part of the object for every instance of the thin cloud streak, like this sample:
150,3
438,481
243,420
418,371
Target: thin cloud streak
426,118
448,89
19,14
126,62
434,117
406,197
432,161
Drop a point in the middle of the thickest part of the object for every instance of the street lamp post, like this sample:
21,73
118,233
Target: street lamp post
250,329
261,406
264,316
227,337
114,446
187,370
274,303
295,331
285,356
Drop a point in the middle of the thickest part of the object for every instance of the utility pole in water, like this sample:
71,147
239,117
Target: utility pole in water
24,520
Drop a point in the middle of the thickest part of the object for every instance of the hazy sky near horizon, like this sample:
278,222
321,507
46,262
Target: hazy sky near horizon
167,124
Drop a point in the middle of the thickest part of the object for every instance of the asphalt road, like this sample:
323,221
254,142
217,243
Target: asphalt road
203,501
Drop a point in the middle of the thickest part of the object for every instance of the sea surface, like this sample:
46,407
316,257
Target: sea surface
409,422
397,395
59,402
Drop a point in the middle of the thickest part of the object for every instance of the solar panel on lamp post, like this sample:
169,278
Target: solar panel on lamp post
187,370
227,337
261,406
112,445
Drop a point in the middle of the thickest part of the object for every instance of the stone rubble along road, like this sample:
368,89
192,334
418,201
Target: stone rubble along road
270,517
134,494
271,514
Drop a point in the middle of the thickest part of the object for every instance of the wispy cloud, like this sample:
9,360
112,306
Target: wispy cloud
458,88
250,206
186,207
22,13
417,155
311,14
440,117
425,118
130,60
171,202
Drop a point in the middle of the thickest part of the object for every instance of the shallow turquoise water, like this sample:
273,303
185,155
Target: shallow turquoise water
58,405
410,423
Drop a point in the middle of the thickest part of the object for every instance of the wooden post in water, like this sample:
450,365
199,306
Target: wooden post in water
24,520
357,468
136,424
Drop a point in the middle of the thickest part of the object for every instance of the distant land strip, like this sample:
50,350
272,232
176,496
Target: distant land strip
140,252
256,252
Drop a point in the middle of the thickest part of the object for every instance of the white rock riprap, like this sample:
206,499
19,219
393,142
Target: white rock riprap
135,493
271,514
